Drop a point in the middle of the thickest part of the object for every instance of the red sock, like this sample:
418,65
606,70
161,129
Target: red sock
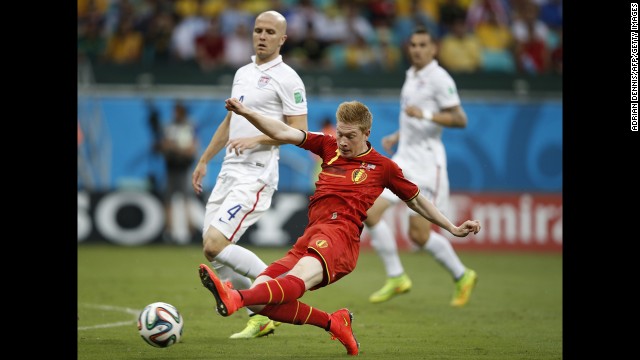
273,292
297,313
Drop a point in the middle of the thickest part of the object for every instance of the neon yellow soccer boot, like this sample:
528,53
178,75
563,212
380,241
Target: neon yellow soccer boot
464,286
257,326
394,286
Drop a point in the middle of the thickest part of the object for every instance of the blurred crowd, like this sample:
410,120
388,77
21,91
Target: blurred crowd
510,36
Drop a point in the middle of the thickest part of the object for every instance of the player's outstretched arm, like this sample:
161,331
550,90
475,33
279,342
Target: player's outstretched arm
424,207
240,144
275,129
218,140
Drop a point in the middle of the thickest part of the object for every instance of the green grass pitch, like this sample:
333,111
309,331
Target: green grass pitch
515,311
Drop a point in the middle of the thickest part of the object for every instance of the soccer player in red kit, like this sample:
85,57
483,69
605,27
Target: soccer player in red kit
353,175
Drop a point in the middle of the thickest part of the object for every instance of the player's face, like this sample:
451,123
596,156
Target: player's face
268,37
421,50
351,140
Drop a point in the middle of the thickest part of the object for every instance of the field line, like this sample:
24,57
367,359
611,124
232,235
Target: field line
126,310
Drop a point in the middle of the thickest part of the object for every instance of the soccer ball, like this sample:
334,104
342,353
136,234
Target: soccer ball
160,324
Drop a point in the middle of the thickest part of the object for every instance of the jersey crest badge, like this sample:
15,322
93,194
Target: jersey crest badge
321,244
358,176
264,80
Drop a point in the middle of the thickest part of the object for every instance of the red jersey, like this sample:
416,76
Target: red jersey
347,188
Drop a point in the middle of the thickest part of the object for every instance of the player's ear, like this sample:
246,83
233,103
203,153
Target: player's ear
283,39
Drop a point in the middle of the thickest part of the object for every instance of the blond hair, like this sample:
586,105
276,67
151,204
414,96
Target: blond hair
355,113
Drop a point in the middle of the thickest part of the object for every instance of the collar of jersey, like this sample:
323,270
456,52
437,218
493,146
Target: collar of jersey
432,65
270,64
369,148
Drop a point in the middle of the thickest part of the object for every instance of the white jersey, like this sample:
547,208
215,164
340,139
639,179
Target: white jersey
431,89
421,154
273,89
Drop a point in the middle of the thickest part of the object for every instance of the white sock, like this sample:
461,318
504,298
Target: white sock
384,242
440,248
241,260
226,273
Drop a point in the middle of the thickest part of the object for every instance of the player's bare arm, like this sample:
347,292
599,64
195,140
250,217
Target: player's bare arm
240,144
218,141
275,129
451,117
389,141
424,207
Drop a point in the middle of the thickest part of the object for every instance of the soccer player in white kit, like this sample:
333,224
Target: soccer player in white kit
249,174
429,102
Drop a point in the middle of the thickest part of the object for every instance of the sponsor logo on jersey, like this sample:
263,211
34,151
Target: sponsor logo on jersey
264,80
298,97
358,176
322,244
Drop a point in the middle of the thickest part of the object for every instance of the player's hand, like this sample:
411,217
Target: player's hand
416,112
240,144
197,176
233,104
469,226
388,142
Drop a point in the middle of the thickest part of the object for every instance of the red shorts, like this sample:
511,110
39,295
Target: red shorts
336,245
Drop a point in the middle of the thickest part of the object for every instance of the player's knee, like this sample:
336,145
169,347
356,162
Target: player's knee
374,214
372,219
213,243
419,237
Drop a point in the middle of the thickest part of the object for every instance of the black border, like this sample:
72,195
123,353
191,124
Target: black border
600,184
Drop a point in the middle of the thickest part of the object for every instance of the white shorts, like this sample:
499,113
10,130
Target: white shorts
434,188
233,206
